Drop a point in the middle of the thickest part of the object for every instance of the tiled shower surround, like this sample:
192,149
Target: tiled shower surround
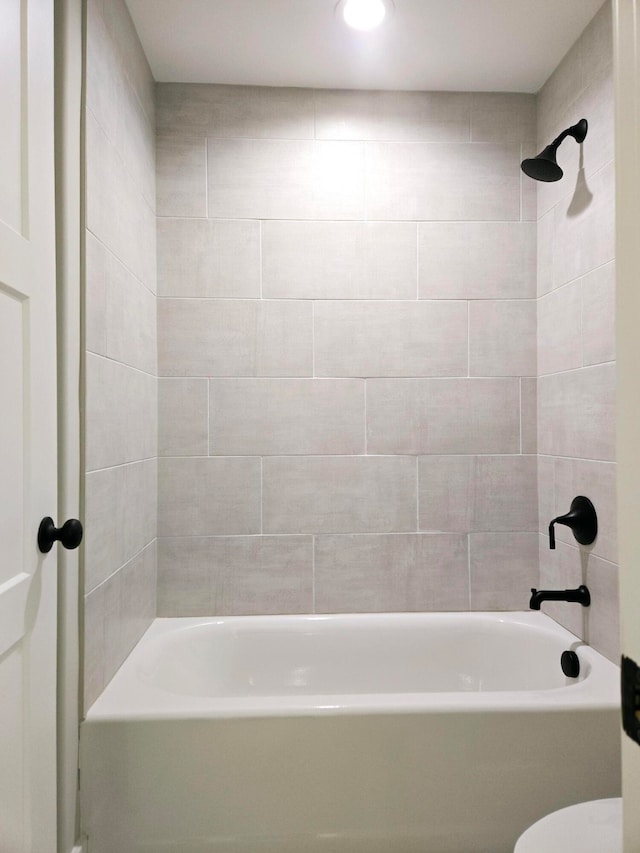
576,335
384,355
120,421
346,351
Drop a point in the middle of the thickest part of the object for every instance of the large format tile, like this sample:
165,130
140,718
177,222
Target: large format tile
121,414
211,337
183,417
560,329
181,177
232,576
200,257
131,55
193,109
599,315
478,493
390,338
460,181
204,497
391,573
138,607
458,260
282,179
329,494
339,260
121,507
576,413
443,415
97,266
503,117
584,228
392,116
130,319
93,646
604,612
503,568
502,337
597,481
294,416
529,415
564,568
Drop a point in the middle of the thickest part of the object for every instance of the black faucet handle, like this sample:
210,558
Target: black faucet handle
582,520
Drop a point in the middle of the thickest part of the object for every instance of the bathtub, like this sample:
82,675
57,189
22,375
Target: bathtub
402,733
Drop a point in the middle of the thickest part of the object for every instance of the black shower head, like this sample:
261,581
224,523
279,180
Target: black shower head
544,166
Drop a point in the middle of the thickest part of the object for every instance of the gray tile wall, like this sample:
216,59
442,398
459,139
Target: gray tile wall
576,336
346,351
120,424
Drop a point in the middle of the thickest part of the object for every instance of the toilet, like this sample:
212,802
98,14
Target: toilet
592,827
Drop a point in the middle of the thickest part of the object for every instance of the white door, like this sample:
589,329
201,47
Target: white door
627,68
28,446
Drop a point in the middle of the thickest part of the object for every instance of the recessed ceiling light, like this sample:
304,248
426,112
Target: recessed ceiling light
364,14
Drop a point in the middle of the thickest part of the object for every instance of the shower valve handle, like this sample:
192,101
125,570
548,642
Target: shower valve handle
582,520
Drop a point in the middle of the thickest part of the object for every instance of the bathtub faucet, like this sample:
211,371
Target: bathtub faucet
581,596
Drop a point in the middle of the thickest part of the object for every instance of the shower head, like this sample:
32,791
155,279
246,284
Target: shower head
544,167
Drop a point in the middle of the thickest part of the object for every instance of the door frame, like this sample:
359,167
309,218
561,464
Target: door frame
626,29
69,54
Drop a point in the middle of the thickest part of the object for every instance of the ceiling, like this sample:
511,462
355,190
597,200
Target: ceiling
471,45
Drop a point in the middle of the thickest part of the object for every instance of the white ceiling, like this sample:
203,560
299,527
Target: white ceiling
473,45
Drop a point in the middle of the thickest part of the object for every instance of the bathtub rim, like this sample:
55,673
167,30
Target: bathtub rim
128,698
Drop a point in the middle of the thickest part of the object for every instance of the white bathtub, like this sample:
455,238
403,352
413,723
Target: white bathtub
437,733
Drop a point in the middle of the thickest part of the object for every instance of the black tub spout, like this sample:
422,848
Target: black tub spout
581,595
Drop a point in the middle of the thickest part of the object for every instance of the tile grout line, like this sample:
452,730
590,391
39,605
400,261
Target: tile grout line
313,573
313,339
417,493
469,569
417,260
366,445
261,260
209,416
468,339
520,405
206,177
